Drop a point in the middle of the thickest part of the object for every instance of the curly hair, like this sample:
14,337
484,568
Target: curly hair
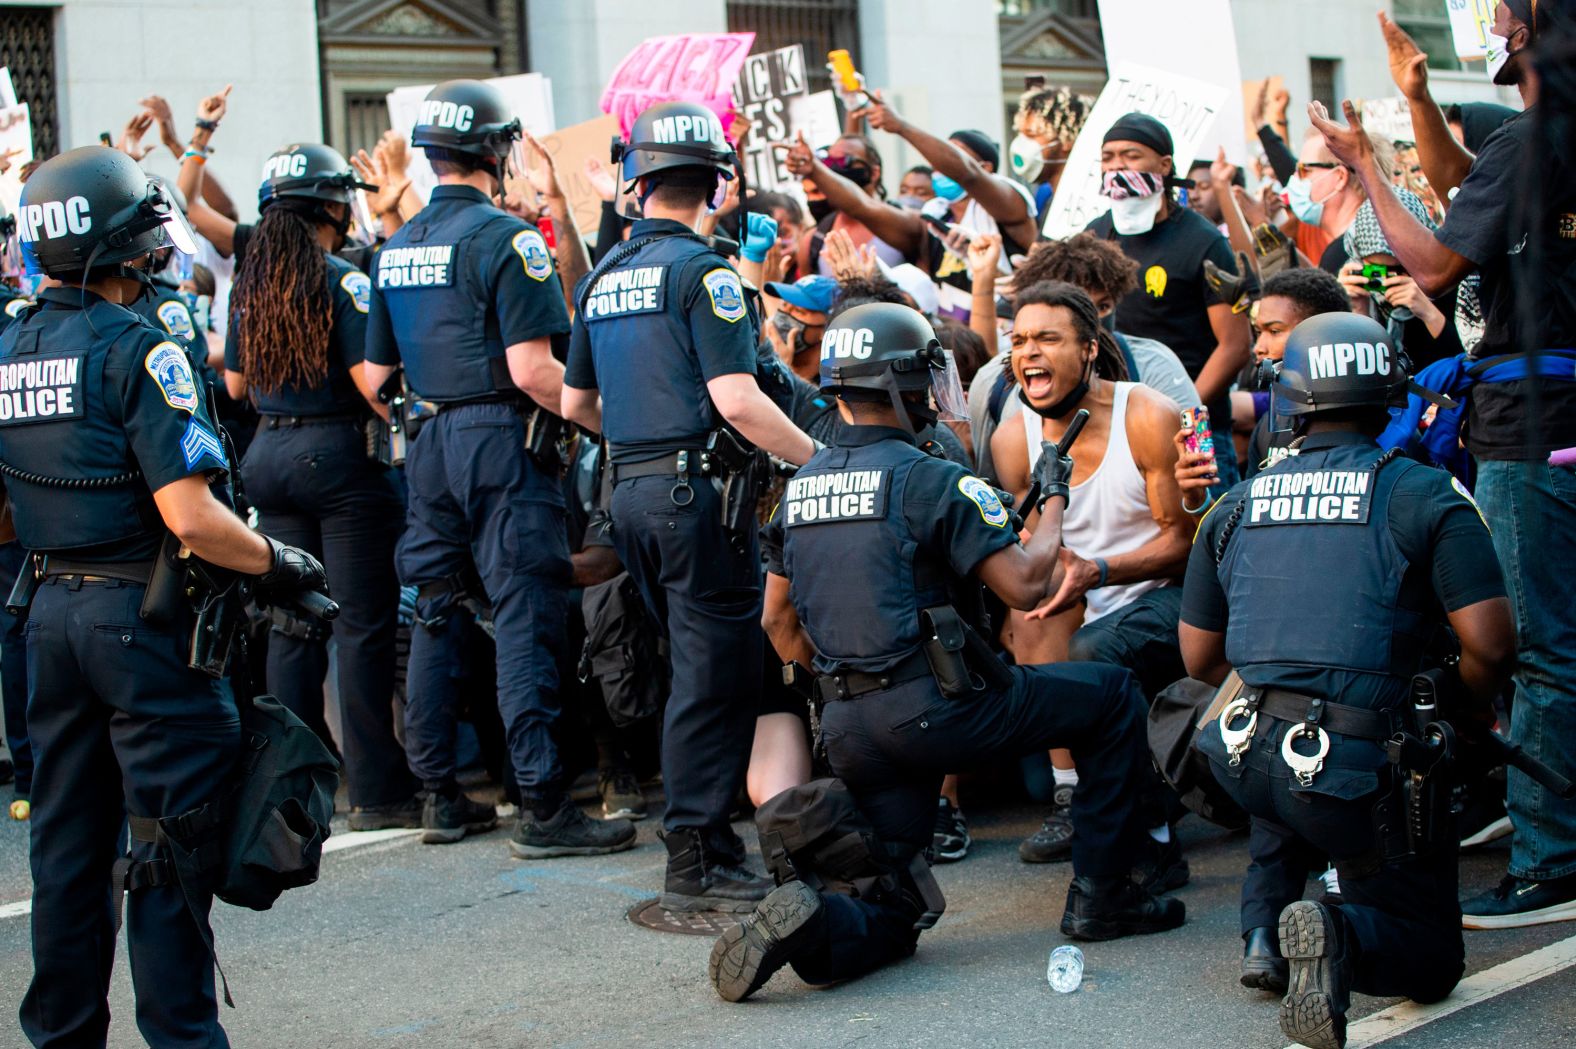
1056,111
1313,290
1083,260
280,308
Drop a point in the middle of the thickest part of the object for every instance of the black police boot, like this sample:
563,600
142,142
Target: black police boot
569,832
1162,867
1108,908
1315,941
445,820
702,878
1263,968
783,924
405,813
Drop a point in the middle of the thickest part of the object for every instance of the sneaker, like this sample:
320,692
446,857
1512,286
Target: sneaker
950,839
745,956
702,876
622,798
1113,908
1517,902
1318,986
405,813
1053,842
1482,818
1263,968
1161,865
569,833
445,821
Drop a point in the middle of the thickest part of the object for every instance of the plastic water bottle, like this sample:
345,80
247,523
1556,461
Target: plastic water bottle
1065,971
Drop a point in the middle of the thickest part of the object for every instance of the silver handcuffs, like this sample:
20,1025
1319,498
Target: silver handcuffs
1237,740
1305,766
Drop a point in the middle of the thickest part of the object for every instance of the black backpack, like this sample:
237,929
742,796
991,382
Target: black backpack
624,651
1175,719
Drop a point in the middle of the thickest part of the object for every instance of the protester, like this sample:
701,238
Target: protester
1046,123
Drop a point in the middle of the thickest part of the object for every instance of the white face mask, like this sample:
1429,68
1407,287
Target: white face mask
1136,214
1498,53
1028,157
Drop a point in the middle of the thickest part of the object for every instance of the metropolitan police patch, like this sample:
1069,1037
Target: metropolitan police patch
169,367
176,318
532,249
1461,489
727,296
359,287
14,308
984,496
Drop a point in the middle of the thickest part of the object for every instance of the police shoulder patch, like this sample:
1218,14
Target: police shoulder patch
727,294
14,308
171,369
1461,489
198,442
176,318
982,495
359,287
532,249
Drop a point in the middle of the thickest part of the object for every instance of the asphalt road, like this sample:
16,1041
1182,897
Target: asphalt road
401,944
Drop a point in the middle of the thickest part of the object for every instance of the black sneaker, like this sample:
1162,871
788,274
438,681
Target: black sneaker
445,821
1161,866
1263,968
1318,986
1111,909
1053,842
700,877
405,813
745,956
950,839
622,798
1517,902
569,833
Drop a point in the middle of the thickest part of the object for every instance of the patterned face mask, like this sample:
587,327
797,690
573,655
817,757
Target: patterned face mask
1127,184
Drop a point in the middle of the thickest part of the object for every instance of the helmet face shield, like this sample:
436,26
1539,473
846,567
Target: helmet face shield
176,229
946,389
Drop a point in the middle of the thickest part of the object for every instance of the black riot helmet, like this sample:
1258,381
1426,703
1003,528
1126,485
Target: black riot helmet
94,207
466,116
674,135
883,350
1339,360
308,171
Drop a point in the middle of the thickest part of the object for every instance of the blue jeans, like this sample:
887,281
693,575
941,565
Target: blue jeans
1531,506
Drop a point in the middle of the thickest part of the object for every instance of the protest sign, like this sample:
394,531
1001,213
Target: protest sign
766,87
1251,91
529,95
695,67
1202,45
1390,118
1470,21
16,143
1187,107
8,99
570,148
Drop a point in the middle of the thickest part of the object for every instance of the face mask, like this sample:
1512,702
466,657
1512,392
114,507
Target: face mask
1299,197
1028,158
792,330
1498,54
1135,215
1108,322
912,203
1135,198
818,209
946,188
1060,408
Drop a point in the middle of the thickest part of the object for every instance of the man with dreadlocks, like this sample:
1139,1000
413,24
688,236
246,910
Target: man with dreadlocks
466,299
298,317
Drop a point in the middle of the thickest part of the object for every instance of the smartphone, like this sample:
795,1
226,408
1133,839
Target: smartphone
1374,274
544,222
842,67
1200,440
940,225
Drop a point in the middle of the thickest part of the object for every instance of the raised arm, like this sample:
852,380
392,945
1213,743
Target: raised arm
899,228
1445,161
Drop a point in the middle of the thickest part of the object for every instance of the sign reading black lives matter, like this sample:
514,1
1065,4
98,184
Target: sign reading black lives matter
772,92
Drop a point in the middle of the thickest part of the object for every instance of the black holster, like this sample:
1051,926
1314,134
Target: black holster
742,471
802,680
27,583
388,442
959,658
545,438
180,581
463,589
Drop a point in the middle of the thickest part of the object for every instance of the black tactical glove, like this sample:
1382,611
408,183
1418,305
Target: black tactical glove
294,571
1053,473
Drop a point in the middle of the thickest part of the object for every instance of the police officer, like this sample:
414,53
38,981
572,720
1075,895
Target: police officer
465,297
13,652
664,356
294,345
107,448
1320,581
883,547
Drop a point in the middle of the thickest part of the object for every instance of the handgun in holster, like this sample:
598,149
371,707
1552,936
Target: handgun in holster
546,436
27,583
181,580
741,470
801,679
388,440
960,660
1415,818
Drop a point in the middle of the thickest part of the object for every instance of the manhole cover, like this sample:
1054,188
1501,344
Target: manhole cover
648,914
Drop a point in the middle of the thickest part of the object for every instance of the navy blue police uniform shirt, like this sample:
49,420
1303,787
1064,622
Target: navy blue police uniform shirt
12,303
1434,525
453,288
165,309
945,517
348,293
76,404
653,332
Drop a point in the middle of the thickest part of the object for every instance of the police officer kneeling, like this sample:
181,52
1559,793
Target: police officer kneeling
1320,582
106,446
885,549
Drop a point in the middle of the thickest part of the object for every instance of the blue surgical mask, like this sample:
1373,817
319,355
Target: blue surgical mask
1299,197
945,187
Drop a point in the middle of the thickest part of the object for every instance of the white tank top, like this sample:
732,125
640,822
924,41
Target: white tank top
1108,513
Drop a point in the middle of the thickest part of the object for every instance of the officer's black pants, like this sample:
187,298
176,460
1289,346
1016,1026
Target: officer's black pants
1404,916
13,671
1279,862
1141,636
892,749
314,487
119,724
706,594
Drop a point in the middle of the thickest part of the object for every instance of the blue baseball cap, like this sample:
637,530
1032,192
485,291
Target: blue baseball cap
815,293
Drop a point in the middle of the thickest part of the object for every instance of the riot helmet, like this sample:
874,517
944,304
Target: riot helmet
466,116
881,351
673,135
1335,361
305,178
93,207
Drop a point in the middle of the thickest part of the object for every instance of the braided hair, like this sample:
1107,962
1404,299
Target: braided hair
1108,361
280,308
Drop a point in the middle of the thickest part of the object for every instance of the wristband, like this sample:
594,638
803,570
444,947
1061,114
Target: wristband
200,156
1105,570
1196,510
209,126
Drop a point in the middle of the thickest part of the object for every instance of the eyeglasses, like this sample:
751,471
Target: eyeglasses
1303,169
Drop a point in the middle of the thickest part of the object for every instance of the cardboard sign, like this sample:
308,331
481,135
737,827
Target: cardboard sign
1389,118
695,67
16,133
1250,95
570,148
1187,108
1470,21
530,97
8,99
